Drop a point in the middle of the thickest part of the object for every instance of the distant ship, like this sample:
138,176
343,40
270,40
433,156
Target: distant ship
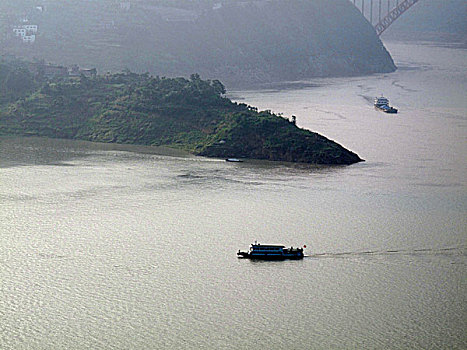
271,252
382,104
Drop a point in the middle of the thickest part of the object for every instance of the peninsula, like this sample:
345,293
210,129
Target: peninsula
190,114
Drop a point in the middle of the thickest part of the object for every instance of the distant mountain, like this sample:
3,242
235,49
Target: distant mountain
239,42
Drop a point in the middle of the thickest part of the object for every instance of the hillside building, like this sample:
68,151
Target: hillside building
19,31
29,38
52,71
76,71
27,32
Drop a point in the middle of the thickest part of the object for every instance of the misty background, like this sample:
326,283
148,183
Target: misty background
239,42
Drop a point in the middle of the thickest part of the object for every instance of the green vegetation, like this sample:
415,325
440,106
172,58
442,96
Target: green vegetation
189,114
241,42
16,80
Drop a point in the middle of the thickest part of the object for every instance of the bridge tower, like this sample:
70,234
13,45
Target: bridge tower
385,17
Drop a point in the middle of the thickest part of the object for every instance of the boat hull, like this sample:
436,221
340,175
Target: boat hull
390,110
246,255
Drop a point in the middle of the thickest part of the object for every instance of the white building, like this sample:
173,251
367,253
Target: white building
19,31
27,32
25,28
29,38
30,27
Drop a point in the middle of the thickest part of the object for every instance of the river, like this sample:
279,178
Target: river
120,247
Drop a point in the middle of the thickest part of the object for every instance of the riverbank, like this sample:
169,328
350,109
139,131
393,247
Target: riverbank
192,115
240,43
105,249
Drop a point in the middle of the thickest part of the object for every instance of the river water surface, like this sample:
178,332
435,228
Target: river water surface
106,247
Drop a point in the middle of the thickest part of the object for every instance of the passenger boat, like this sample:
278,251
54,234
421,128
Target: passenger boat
382,104
234,160
271,252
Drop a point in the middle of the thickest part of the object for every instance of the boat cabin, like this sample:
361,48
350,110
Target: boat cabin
382,104
381,101
269,250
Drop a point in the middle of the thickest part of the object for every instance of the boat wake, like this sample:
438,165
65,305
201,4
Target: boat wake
452,251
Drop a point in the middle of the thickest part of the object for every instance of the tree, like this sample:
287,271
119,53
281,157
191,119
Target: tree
219,88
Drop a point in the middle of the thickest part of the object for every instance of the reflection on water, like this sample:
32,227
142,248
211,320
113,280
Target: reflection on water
43,151
122,247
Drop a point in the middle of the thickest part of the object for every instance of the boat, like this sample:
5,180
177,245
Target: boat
382,104
271,252
234,160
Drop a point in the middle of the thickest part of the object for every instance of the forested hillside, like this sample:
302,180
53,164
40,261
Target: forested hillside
239,42
189,114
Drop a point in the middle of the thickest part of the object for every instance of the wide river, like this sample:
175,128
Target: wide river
106,247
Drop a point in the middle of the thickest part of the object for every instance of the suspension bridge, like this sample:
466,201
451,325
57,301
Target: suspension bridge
382,13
